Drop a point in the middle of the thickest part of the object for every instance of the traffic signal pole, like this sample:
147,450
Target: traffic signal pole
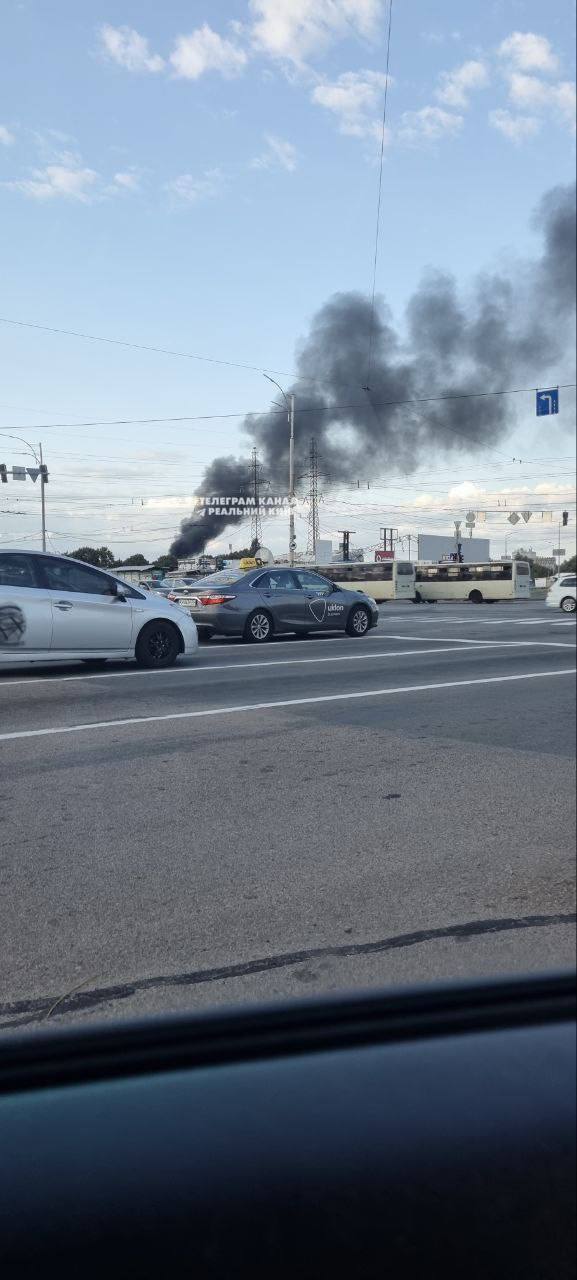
42,497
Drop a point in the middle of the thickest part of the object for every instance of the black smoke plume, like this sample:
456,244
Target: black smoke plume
511,330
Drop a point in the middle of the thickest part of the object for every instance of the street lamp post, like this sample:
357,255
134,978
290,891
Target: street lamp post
290,404
39,463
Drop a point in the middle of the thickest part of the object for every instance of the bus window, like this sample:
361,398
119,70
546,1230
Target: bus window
404,569
522,568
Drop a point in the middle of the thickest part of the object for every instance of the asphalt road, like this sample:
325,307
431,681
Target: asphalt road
308,816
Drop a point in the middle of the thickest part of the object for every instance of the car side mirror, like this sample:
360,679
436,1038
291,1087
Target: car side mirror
116,590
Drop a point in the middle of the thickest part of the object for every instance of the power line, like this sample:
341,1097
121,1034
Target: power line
140,346
329,408
379,197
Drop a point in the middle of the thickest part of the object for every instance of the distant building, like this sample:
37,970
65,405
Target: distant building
135,572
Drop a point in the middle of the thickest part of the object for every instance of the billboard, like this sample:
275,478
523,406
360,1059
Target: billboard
436,547
384,555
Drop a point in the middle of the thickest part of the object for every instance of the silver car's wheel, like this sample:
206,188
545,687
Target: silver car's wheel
158,645
258,627
359,621
568,605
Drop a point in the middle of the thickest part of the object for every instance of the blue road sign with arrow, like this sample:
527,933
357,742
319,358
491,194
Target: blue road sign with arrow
547,402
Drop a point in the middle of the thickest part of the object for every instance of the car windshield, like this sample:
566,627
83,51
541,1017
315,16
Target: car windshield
288,290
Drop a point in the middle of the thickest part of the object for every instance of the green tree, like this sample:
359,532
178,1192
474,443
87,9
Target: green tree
101,557
168,563
135,560
570,565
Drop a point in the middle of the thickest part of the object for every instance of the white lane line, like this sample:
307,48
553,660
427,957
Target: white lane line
455,646
278,662
287,702
482,644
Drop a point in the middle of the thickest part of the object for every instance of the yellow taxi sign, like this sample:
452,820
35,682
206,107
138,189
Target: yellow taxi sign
249,562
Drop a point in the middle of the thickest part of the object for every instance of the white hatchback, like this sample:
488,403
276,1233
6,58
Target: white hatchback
561,593
54,609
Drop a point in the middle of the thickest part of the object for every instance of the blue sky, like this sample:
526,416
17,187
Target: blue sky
201,177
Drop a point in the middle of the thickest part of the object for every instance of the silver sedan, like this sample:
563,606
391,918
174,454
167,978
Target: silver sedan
262,603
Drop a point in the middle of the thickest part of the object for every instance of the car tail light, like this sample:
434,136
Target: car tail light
172,595
208,600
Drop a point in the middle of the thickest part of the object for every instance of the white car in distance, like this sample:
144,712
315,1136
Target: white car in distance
561,593
55,609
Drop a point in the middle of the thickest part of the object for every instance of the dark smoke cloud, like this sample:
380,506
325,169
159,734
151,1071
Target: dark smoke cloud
512,329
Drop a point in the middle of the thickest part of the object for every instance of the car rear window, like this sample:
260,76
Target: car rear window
222,578
17,570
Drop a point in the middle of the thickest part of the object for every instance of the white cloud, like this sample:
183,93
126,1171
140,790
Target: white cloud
530,93
529,52
429,124
564,100
6,138
296,29
130,50
355,98
458,84
279,154
467,489
204,50
128,180
516,128
191,190
68,179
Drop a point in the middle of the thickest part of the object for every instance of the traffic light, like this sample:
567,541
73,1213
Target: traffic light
565,517
3,473
44,473
460,556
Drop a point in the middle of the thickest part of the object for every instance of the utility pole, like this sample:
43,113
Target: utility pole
256,523
313,533
42,496
346,542
290,404
292,538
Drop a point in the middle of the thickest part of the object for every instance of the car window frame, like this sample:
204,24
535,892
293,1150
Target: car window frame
89,568
32,559
268,573
325,582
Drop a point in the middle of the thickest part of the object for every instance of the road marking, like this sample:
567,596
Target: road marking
455,646
481,644
286,702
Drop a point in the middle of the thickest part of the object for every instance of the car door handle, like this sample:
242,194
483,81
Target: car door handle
64,605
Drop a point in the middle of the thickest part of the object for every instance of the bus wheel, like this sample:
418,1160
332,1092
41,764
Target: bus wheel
475,597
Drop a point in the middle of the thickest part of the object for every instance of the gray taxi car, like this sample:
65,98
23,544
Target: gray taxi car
261,603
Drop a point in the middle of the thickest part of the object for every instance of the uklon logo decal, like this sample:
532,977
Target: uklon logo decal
319,608
12,626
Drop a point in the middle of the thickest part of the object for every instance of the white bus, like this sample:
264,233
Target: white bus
500,580
387,580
